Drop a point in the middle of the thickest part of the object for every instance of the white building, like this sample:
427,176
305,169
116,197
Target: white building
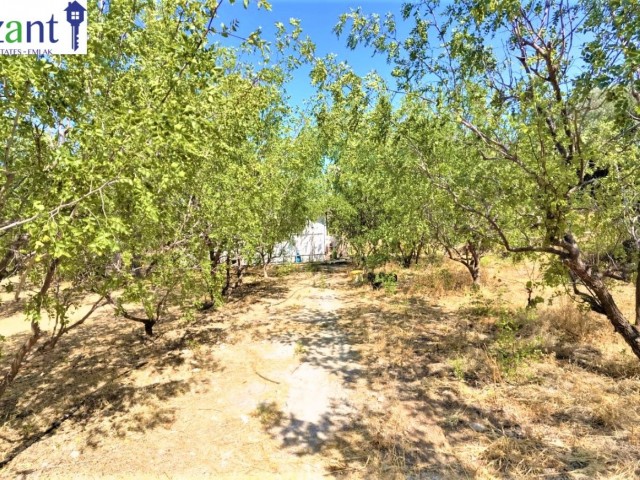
311,245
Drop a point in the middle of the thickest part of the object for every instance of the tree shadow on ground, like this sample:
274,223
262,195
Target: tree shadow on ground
88,380
318,343
7,309
258,289
348,431
403,351
409,352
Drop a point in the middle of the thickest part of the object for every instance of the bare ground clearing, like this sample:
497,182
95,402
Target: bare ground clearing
309,376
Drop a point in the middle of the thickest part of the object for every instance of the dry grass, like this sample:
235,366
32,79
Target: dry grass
572,322
516,393
439,281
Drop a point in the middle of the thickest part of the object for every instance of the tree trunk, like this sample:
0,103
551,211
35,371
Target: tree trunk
419,252
26,347
147,322
5,269
403,256
474,270
629,332
148,327
239,273
10,263
227,284
638,294
19,357
474,264
21,281
136,266
263,259
214,261
53,341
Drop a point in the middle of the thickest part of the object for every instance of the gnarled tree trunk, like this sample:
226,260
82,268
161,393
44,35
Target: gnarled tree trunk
603,301
469,256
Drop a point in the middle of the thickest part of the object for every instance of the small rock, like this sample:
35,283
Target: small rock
75,454
477,427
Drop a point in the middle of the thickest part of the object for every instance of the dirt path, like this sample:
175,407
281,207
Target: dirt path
262,404
318,403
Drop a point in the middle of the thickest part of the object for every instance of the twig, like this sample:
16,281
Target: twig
263,377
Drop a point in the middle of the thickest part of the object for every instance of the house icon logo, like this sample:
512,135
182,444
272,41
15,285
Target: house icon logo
75,17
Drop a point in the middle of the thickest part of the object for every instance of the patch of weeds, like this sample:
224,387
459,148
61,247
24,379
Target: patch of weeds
434,259
533,301
312,267
445,278
300,348
284,270
189,315
511,350
452,421
482,307
479,308
390,286
458,365
440,280
28,427
357,276
268,414
321,282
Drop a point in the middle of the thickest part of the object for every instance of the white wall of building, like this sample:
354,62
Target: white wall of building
309,246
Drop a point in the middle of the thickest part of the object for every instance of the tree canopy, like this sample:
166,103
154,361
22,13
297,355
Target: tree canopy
153,170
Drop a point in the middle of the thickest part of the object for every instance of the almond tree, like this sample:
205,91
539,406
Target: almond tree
506,73
613,57
122,167
375,202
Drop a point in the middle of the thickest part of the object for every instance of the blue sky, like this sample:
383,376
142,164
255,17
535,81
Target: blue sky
318,18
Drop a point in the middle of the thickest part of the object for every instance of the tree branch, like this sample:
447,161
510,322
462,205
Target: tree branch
58,209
